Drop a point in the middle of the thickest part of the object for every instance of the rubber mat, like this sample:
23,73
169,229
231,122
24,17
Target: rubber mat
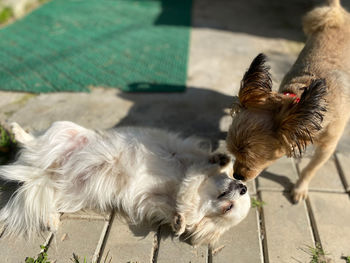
69,45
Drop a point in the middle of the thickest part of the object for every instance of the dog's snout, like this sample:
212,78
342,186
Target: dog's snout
238,176
242,189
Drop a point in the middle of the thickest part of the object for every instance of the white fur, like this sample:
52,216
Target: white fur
147,175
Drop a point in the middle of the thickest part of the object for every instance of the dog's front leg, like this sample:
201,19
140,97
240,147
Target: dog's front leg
324,149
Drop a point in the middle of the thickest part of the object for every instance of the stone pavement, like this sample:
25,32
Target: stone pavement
226,36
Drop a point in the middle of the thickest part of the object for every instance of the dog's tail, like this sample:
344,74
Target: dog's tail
320,18
30,207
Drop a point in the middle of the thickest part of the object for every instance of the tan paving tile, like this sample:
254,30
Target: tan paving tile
13,250
332,214
241,243
326,179
172,250
128,244
287,229
281,175
75,236
252,187
344,162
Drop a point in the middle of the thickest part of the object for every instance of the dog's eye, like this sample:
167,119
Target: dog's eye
228,208
222,195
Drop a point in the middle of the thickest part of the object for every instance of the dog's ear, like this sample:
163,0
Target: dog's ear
219,158
256,84
178,224
298,122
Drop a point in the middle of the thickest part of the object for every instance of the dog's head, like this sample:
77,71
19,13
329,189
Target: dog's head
267,125
209,202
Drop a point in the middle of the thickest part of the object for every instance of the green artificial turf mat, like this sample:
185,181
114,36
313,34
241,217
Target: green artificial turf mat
68,45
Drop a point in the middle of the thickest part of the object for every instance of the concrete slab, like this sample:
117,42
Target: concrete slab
344,163
281,176
326,179
287,229
332,214
228,29
128,244
172,250
17,249
92,110
7,98
241,243
80,237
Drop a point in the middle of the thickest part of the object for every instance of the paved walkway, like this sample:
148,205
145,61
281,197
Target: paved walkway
226,36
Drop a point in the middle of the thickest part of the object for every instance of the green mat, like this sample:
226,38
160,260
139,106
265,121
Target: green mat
68,45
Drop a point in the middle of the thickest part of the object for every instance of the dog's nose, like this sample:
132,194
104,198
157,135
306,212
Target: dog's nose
242,189
238,176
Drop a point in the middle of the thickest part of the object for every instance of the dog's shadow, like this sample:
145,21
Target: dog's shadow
196,112
163,232
282,180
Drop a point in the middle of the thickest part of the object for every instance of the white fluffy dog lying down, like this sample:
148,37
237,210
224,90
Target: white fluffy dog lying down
147,175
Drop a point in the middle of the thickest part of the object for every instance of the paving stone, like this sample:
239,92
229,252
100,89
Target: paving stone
241,243
344,142
344,162
80,237
7,98
92,110
287,229
281,175
128,244
172,250
326,178
13,250
332,214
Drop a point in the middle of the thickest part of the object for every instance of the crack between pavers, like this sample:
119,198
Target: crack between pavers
210,254
156,244
310,190
311,217
341,174
103,240
85,217
262,231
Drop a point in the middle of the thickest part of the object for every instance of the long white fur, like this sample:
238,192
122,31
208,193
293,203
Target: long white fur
147,175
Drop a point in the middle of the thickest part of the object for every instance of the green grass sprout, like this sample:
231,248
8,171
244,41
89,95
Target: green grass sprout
257,203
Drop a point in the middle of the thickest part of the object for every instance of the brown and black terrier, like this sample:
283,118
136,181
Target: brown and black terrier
311,107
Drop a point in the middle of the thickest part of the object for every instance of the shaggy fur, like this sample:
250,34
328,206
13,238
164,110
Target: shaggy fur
147,175
267,125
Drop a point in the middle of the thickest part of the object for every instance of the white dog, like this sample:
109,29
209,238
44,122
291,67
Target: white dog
147,175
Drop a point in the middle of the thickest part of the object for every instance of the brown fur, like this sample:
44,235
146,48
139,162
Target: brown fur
267,125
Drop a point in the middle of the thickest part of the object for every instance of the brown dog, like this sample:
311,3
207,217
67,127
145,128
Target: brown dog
312,105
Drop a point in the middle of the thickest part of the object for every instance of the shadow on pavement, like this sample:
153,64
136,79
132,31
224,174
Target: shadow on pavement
196,112
284,181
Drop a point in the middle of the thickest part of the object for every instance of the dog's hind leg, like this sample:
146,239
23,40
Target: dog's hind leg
325,147
20,134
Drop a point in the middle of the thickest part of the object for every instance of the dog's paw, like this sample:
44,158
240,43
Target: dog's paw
300,192
220,159
54,222
178,224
